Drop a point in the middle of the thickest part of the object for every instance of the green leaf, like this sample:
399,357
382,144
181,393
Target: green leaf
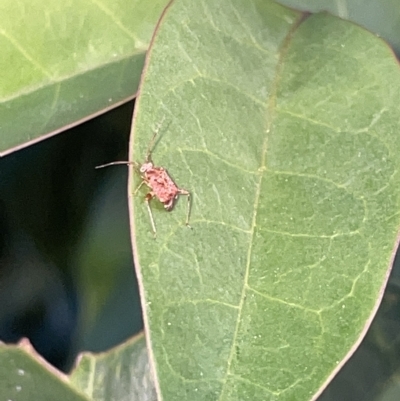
284,130
120,374
64,61
24,376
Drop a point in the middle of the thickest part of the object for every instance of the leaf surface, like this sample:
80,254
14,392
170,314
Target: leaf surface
283,129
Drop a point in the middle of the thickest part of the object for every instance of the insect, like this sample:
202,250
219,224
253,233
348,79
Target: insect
161,185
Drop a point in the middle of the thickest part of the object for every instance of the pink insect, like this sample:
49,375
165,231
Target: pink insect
161,185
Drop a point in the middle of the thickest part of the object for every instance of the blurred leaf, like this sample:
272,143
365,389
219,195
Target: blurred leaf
120,374
63,61
381,17
284,130
25,376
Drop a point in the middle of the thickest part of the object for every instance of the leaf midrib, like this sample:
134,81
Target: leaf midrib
271,108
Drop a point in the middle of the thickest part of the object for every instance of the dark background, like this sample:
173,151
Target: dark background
66,271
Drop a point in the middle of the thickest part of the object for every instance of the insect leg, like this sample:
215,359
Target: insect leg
138,187
147,199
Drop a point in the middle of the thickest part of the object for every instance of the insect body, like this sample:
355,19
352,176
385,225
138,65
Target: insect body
160,183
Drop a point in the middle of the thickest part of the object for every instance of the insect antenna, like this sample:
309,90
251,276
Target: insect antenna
119,162
153,139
